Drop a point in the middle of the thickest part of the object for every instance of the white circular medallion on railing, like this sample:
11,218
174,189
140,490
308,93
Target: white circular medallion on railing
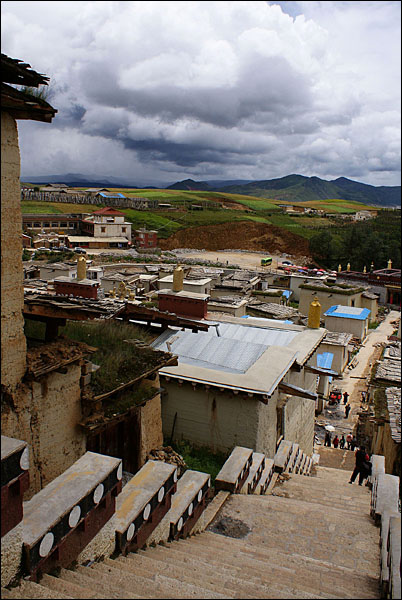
24,460
147,512
199,496
46,544
74,516
130,532
161,494
180,524
190,509
209,481
120,471
98,493
175,476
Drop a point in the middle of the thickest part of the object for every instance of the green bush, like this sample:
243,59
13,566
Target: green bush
200,458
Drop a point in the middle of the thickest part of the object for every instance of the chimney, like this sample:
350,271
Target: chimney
339,268
81,268
389,266
364,270
314,314
348,267
178,278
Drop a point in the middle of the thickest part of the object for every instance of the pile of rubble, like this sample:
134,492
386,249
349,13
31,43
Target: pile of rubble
168,455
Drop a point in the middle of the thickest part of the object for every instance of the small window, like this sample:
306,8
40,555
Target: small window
63,224
37,225
103,229
123,229
353,303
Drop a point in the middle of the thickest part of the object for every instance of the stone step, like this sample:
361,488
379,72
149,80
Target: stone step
88,581
30,589
159,586
5,593
248,582
233,580
274,556
147,561
73,590
279,564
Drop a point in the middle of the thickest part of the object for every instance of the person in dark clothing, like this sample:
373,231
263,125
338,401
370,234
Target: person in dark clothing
353,443
342,442
336,441
362,466
347,410
327,441
345,397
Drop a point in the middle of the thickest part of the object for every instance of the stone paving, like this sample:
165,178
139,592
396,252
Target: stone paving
355,380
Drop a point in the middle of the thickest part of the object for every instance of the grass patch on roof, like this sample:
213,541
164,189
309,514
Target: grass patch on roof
120,360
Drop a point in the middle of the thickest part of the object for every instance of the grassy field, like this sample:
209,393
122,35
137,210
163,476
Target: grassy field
168,222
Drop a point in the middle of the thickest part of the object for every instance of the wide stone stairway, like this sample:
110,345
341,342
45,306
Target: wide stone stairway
310,537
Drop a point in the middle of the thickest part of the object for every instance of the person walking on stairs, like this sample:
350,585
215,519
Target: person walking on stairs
335,441
342,442
349,439
345,397
362,466
347,410
327,441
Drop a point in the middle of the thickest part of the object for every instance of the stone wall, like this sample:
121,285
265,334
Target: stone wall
299,423
151,426
45,414
13,344
218,420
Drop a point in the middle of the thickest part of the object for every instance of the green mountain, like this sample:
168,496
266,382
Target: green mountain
298,188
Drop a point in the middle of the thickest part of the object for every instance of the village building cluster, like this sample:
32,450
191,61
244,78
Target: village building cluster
113,359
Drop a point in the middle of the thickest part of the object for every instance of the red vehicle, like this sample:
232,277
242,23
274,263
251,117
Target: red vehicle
335,396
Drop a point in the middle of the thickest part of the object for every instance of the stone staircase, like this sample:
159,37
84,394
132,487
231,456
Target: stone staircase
308,537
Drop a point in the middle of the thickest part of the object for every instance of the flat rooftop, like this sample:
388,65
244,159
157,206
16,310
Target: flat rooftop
251,356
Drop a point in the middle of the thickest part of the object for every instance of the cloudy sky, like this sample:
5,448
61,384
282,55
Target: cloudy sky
157,92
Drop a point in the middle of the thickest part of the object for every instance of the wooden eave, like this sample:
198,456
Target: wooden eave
293,390
48,359
165,318
170,362
14,70
321,371
24,106
52,309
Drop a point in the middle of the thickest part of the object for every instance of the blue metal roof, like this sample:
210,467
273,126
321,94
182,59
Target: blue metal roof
324,360
348,312
108,195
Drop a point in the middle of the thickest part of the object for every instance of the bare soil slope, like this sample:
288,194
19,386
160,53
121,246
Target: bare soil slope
239,236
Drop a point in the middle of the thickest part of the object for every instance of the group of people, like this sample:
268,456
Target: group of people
349,442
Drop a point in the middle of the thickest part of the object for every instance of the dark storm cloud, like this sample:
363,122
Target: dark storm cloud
249,90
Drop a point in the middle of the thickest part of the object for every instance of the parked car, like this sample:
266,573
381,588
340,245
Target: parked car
43,249
79,250
287,262
64,248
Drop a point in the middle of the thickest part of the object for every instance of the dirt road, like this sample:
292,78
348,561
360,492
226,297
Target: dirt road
245,260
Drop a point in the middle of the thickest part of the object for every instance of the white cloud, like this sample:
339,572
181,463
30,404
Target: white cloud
228,89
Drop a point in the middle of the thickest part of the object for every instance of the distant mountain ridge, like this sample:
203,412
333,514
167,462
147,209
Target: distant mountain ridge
298,188
291,188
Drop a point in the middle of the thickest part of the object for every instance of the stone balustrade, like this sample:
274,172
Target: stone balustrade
385,511
14,481
282,455
61,519
188,503
266,476
256,470
143,503
235,470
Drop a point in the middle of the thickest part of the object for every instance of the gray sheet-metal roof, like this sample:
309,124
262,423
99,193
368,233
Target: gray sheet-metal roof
250,357
234,350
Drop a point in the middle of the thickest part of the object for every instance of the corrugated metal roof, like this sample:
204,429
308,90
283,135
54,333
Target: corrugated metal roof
234,350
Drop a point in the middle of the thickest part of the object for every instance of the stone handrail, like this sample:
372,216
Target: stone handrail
266,476
256,470
14,481
385,512
188,503
235,470
61,519
282,455
143,502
